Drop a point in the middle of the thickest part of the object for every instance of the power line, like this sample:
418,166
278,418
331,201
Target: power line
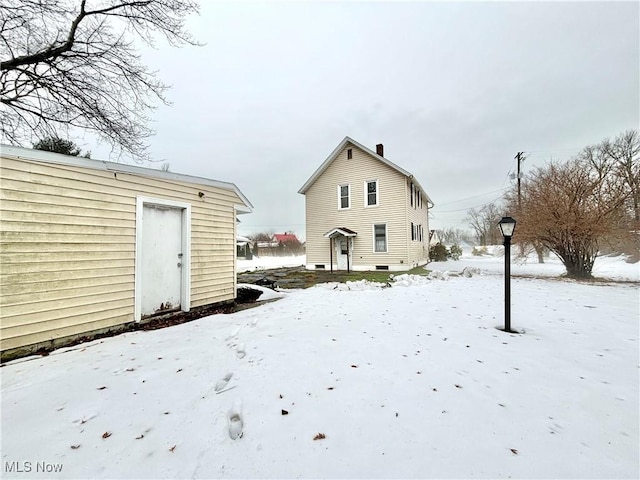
469,198
469,208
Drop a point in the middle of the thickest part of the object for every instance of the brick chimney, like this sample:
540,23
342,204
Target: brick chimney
380,149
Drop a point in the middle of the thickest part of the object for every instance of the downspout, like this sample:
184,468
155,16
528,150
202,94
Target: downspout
406,218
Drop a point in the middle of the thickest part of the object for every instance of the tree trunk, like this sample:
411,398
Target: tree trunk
578,266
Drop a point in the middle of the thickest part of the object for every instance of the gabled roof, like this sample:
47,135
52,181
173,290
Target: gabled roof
285,237
344,231
373,154
240,240
20,153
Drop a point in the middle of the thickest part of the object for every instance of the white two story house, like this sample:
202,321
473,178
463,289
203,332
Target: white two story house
364,212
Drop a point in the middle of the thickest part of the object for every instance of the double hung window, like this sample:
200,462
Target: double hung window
371,193
380,238
344,196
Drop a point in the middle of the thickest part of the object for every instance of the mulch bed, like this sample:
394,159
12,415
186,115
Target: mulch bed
247,298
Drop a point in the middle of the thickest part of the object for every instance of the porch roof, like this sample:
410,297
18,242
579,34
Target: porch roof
344,231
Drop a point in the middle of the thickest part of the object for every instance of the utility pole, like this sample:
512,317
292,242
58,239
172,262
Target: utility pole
520,157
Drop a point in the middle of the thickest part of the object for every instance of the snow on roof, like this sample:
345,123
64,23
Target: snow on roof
243,240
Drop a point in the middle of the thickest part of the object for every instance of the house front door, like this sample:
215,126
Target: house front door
344,249
161,250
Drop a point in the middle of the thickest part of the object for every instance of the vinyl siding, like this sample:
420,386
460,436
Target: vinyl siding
67,247
322,213
418,250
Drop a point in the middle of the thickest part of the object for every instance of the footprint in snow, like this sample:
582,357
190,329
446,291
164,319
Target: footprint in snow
240,351
234,334
234,419
222,383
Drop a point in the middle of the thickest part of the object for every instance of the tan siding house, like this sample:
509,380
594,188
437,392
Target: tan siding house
88,246
363,212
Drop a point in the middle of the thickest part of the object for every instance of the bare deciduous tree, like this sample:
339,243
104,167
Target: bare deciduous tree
71,63
265,236
484,221
624,154
572,208
455,235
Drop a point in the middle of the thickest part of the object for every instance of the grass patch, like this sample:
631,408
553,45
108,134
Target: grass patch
302,278
375,275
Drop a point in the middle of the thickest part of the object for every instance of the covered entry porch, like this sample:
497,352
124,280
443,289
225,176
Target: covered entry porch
341,248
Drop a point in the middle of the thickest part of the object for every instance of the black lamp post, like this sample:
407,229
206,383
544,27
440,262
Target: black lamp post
507,226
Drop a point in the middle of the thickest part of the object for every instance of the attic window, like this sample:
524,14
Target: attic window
349,154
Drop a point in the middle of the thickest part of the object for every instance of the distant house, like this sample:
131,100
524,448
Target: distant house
244,247
281,244
434,237
364,212
90,246
285,237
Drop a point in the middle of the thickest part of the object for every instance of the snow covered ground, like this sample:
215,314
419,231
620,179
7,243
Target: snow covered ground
357,381
261,263
606,267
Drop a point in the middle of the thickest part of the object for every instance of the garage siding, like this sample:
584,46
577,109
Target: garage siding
67,246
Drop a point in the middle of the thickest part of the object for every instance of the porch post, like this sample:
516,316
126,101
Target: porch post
331,252
348,254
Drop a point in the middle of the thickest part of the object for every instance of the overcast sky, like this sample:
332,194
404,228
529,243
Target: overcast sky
452,90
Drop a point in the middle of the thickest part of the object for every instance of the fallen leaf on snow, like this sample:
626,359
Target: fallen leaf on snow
458,386
319,436
172,448
106,434
75,447
514,451
101,388
140,436
285,412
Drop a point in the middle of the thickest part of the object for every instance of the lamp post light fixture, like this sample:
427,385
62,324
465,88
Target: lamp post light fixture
507,226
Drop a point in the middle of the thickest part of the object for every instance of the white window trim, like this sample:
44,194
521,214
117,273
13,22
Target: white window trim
185,291
386,237
366,193
348,185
